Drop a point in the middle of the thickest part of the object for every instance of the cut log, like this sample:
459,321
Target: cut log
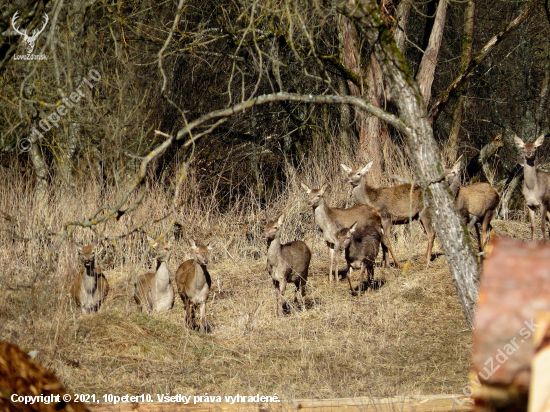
515,287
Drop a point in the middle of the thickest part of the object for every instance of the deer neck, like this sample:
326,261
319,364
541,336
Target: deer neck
162,276
200,274
274,247
529,173
363,192
90,278
323,219
455,188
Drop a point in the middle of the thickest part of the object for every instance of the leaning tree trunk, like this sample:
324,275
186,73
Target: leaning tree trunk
428,167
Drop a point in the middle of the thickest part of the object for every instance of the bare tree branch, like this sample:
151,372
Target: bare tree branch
463,77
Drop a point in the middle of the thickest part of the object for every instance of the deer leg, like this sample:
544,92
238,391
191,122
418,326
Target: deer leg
348,275
187,312
277,299
386,228
532,219
385,240
427,223
331,257
282,288
303,289
203,316
336,258
370,273
543,209
486,228
361,275
479,240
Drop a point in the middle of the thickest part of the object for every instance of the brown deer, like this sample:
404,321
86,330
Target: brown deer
153,290
361,246
288,263
326,216
90,288
475,203
395,204
194,282
536,184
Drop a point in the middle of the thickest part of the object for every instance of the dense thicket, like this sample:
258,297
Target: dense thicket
224,52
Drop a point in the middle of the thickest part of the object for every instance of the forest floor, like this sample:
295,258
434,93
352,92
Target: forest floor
408,336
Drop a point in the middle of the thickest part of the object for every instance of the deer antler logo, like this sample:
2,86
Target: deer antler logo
29,41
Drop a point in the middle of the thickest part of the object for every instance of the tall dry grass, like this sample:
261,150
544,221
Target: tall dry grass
406,337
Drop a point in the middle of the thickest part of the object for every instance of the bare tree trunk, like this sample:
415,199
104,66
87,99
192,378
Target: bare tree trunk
345,117
467,41
375,131
429,170
509,188
40,170
368,126
426,70
65,165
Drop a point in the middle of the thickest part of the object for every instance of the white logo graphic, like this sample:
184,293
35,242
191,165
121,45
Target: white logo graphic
29,41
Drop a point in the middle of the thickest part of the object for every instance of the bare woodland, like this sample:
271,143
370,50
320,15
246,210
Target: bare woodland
194,118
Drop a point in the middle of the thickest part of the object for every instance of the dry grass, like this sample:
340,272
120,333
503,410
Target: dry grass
407,337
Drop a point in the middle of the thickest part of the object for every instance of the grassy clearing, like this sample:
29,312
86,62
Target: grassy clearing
407,337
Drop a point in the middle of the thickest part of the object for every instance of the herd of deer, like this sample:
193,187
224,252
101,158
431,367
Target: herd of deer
358,230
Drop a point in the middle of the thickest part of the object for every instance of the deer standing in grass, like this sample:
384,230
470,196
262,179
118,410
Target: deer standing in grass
90,287
475,203
361,246
394,203
288,263
326,216
536,183
194,282
153,290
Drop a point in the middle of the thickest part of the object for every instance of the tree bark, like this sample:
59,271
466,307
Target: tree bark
369,128
428,167
40,169
466,58
402,17
426,70
376,131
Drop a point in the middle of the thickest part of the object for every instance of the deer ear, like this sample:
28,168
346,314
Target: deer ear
366,168
192,243
518,142
457,164
307,189
539,140
346,169
323,189
281,219
353,227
